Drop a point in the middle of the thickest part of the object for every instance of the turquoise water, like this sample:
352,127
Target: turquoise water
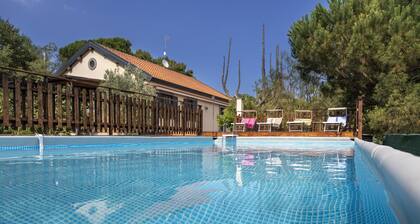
193,183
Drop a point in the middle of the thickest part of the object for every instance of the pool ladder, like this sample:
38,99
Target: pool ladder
41,145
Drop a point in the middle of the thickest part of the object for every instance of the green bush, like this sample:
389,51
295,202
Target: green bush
400,114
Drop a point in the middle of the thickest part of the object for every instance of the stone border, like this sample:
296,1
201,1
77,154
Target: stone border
400,173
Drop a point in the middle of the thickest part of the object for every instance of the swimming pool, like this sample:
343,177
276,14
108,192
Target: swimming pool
192,181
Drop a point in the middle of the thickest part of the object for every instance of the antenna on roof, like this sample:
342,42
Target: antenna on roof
165,63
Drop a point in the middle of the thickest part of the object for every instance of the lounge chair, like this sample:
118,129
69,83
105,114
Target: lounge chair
302,118
274,119
248,120
337,119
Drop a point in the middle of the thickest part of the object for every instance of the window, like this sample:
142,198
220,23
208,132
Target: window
92,64
167,98
221,110
191,103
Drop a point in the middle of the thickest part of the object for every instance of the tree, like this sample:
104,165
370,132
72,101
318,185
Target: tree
47,59
362,48
225,69
263,75
228,117
229,113
175,66
356,43
261,87
132,79
116,43
279,69
145,55
238,87
16,49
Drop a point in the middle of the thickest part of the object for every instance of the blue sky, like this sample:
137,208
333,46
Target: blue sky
198,31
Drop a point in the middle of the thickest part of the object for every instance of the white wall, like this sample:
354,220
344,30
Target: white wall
210,112
210,107
81,68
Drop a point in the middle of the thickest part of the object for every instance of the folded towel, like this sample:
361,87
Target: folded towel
249,122
339,119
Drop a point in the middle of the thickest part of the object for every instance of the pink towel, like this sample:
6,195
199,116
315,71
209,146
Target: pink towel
249,156
249,122
247,163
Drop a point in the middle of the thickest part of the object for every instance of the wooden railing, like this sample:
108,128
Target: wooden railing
50,104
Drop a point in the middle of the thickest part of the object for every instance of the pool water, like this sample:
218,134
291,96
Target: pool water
193,185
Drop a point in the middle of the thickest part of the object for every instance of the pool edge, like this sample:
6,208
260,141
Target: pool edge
399,173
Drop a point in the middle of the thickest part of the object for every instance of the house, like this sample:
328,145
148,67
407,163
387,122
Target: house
91,61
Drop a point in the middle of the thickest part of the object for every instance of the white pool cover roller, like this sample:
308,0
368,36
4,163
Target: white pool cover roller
239,107
400,174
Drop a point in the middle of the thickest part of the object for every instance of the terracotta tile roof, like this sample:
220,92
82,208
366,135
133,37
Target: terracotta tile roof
162,73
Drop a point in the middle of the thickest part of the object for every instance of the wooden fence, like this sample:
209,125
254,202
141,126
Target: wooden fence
52,104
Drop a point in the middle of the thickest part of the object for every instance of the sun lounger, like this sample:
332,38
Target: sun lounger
302,118
271,123
247,122
274,120
336,121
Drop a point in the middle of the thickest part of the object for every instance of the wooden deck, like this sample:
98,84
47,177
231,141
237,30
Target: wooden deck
284,133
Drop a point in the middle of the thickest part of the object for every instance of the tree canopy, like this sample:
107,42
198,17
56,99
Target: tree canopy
367,48
116,43
132,79
16,49
358,43
173,65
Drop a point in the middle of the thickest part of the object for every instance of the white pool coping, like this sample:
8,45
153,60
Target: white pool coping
400,173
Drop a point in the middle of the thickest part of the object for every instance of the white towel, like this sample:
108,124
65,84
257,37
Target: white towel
276,122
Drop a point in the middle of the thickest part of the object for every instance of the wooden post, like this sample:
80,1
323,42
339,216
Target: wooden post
29,111
154,115
359,116
59,106
184,122
40,105
5,85
68,106
143,110
84,110
117,112
76,110
91,112
128,102
18,104
98,117
134,113
111,112
50,106
105,115
177,118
